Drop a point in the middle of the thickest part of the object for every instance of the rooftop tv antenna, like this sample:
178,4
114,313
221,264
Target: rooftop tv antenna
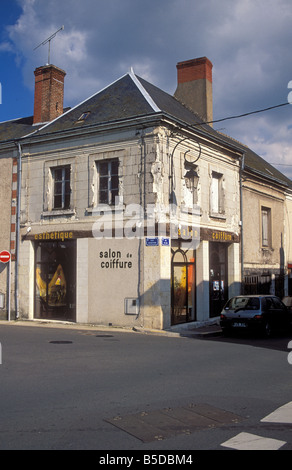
49,41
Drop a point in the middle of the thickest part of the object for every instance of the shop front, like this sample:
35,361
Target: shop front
55,277
68,276
72,276
224,272
203,279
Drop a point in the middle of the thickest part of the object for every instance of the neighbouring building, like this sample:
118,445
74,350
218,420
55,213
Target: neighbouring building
132,209
266,230
5,228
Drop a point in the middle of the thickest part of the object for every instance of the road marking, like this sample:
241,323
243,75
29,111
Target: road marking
246,441
281,415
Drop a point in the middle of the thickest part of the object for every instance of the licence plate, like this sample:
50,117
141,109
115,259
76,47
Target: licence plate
239,325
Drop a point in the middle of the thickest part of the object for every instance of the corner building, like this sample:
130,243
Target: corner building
99,242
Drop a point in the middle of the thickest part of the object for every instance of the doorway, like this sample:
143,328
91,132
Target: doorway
218,277
183,286
55,280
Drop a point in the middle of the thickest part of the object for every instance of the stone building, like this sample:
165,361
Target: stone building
132,207
266,227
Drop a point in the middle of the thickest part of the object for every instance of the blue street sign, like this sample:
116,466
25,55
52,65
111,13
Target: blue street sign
152,241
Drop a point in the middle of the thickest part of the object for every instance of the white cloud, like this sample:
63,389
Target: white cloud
247,41
6,47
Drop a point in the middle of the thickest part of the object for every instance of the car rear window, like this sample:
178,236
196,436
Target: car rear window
277,302
248,303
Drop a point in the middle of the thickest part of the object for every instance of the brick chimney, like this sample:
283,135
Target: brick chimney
194,86
49,93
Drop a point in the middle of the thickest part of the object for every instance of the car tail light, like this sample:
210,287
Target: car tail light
222,317
258,317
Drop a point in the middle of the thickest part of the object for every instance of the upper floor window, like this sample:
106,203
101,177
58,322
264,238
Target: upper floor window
62,187
108,172
266,227
217,194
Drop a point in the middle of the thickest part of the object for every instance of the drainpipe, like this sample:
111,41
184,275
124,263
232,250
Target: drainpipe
142,194
19,174
241,218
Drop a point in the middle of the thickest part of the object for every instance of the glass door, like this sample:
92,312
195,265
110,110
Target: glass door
218,277
179,294
183,288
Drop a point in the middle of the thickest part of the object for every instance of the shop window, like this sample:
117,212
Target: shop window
61,187
266,227
217,194
55,280
108,174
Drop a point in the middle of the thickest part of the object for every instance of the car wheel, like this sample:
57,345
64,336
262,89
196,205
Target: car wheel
268,329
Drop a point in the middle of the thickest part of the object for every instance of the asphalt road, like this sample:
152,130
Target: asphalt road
74,388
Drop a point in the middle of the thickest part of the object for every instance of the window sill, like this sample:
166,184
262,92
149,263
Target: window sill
267,249
105,209
196,210
215,215
58,213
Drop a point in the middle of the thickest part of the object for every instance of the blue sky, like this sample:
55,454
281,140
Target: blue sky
248,42
15,101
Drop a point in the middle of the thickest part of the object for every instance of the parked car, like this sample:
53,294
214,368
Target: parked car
265,313
288,302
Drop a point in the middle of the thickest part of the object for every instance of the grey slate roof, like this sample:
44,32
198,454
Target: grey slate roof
121,100
16,129
130,97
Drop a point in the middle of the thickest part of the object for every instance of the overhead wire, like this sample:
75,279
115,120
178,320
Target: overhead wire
243,115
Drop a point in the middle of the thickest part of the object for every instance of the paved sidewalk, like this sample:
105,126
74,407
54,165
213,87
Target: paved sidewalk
183,330
210,330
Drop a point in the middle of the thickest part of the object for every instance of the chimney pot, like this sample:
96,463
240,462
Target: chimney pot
49,93
194,86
